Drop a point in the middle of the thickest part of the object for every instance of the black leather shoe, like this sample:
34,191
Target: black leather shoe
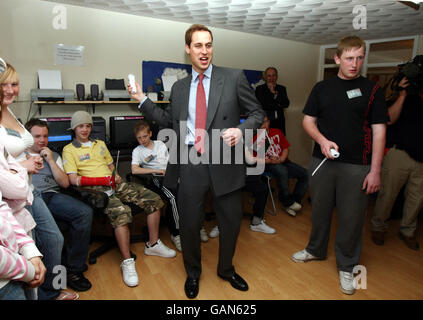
236,281
191,287
78,282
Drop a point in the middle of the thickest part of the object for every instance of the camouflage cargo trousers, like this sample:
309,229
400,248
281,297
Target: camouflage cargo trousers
119,212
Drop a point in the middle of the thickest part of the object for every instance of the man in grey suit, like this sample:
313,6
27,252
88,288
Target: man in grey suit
211,100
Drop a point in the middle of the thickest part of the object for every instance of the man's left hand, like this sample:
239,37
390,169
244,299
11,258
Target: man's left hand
232,136
371,183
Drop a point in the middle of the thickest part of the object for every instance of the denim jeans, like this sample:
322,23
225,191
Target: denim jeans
14,290
49,241
259,189
79,217
282,172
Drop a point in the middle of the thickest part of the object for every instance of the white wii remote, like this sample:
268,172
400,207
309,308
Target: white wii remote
131,79
334,153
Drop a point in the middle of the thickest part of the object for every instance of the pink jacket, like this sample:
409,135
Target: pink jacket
15,189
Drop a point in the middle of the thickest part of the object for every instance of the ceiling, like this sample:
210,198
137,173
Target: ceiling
311,21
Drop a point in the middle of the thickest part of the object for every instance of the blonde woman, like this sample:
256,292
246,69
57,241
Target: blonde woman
16,139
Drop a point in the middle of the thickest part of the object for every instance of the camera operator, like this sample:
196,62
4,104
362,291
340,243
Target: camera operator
402,166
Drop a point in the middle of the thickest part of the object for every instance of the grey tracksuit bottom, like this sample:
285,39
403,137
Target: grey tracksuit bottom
338,184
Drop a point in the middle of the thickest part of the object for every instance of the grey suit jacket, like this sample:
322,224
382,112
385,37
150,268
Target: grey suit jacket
230,97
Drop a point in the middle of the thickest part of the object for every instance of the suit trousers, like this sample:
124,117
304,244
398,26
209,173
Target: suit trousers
399,169
195,182
338,184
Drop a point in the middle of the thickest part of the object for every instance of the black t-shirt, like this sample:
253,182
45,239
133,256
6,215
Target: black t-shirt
344,116
407,132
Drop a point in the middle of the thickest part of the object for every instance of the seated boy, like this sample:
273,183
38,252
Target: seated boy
281,168
88,163
152,157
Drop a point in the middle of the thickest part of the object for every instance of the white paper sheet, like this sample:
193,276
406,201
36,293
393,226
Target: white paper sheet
50,79
168,82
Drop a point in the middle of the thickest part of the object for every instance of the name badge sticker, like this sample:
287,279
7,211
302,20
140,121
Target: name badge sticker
84,157
354,93
150,158
12,132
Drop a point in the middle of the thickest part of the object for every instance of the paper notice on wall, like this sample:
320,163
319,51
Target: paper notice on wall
69,55
168,82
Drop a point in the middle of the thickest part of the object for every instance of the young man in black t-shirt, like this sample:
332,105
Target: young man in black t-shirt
346,113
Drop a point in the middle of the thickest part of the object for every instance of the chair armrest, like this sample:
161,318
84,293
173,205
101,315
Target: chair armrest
143,176
94,198
146,179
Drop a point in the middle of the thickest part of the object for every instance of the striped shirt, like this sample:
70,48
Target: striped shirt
16,248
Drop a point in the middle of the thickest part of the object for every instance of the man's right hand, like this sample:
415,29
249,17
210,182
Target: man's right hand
139,95
47,154
272,87
325,147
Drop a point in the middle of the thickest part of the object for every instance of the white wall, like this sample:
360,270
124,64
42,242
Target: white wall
115,45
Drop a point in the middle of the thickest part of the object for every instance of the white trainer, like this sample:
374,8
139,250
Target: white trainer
347,282
214,232
129,273
159,249
203,235
291,212
176,241
262,227
303,256
295,206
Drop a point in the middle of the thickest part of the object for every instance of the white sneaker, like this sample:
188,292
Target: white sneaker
159,249
347,282
295,206
262,227
291,212
303,256
214,232
176,241
130,277
203,235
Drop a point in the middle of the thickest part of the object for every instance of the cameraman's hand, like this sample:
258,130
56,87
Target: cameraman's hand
402,85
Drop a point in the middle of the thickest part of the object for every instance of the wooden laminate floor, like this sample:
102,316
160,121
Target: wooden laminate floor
393,270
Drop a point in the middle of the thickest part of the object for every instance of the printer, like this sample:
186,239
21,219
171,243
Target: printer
50,87
52,95
116,95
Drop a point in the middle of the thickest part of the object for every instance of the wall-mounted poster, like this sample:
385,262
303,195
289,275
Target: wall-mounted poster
153,73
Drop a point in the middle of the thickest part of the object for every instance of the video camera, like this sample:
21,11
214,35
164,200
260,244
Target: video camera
413,71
